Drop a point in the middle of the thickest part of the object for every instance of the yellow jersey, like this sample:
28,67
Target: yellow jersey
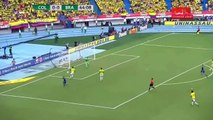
193,95
72,70
101,71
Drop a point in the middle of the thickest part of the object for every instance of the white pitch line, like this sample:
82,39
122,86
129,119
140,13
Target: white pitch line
84,63
55,76
30,82
179,83
180,47
141,94
131,48
144,43
109,68
56,101
36,80
125,55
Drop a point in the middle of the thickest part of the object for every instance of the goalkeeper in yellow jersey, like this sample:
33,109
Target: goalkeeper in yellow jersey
101,72
193,95
72,72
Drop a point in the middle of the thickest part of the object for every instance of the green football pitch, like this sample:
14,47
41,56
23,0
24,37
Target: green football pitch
174,60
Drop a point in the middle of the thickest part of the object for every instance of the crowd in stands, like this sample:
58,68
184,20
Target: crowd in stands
12,10
195,5
210,4
147,6
111,6
209,18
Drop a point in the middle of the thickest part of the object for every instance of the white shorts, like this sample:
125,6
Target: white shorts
193,100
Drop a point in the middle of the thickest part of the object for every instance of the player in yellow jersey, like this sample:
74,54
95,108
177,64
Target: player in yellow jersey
72,72
101,72
193,95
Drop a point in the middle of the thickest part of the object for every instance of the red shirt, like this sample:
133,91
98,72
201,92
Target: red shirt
152,82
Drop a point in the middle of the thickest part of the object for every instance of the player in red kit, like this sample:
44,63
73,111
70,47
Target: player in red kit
198,30
151,85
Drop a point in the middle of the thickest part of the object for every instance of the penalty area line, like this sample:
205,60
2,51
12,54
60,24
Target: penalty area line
125,55
122,55
83,78
55,76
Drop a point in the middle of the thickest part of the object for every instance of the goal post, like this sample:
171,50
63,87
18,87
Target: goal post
62,61
67,57
80,52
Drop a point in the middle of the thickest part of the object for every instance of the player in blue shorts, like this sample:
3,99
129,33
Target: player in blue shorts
202,71
64,81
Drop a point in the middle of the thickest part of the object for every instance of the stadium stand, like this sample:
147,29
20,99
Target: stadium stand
195,5
210,5
1,11
22,9
111,6
13,10
143,6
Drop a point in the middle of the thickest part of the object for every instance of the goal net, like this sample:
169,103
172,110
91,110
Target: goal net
60,59
65,58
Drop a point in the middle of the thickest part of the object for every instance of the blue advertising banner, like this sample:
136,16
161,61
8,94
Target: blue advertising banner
38,60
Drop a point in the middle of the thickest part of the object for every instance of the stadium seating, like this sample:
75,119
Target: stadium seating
142,6
210,5
111,6
13,10
195,5
1,11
